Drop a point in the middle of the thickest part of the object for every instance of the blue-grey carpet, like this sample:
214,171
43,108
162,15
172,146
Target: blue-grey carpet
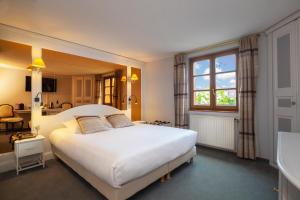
214,175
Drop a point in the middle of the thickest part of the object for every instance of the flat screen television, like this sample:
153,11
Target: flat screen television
48,84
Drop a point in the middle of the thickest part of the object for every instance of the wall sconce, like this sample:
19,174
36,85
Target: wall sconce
37,64
36,98
133,78
123,78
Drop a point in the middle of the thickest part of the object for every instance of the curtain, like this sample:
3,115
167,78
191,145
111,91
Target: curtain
181,91
248,66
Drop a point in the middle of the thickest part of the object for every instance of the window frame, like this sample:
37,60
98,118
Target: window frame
110,78
213,105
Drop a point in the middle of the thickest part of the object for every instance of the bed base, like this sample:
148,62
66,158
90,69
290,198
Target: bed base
132,187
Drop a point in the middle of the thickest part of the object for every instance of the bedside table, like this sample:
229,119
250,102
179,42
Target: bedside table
29,153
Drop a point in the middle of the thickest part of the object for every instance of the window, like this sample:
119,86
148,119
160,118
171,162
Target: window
213,81
108,91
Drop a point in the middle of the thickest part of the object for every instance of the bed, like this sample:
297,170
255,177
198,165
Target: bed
121,161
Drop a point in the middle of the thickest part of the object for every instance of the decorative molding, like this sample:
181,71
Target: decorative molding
283,22
213,46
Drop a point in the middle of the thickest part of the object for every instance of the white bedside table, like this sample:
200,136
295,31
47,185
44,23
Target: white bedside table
29,153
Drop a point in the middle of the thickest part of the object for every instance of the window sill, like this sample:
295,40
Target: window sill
214,113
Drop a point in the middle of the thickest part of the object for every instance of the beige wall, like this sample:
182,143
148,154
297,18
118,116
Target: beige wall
158,91
12,87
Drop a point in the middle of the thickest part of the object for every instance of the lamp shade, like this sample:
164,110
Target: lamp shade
123,78
134,77
38,63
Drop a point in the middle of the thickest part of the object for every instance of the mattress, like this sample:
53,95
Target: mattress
120,155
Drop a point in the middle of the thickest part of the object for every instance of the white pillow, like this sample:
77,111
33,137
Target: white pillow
93,124
119,120
73,126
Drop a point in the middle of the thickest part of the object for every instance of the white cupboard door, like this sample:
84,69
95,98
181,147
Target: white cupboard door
285,42
78,91
88,91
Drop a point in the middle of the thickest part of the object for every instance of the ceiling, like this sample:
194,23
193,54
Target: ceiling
14,55
66,64
18,56
146,30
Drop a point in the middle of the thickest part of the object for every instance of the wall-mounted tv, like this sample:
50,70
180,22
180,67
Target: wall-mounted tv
48,84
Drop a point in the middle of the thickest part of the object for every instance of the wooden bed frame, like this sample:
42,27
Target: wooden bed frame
126,190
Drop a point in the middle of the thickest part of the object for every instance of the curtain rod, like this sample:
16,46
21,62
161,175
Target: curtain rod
220,44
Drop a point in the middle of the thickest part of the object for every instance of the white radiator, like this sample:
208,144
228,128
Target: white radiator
215,131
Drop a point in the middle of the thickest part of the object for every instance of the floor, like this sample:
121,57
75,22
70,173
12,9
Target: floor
214,175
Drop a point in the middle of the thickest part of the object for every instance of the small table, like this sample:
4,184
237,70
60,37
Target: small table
29,153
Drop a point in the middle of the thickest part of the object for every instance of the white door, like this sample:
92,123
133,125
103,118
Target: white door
285,68
77,90
88,91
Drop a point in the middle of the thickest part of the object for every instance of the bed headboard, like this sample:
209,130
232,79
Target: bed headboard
90,109
52,122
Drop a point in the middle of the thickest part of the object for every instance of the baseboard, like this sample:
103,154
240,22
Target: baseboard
48,155
8,161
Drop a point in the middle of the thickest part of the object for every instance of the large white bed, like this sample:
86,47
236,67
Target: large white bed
121,161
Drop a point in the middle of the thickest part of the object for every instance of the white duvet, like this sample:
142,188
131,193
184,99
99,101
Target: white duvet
120,155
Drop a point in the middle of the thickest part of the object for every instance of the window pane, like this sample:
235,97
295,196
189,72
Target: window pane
202,98
226,97
107,90
201,67
226,80
201,82
107,82
107,99
113,82
225,63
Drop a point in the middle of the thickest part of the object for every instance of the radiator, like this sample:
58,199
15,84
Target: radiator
215,131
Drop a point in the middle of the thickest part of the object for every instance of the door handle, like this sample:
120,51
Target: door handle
293,103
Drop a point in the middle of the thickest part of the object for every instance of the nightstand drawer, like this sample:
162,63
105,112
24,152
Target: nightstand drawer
30,148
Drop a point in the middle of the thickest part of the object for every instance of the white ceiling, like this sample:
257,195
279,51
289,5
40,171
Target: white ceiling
146,30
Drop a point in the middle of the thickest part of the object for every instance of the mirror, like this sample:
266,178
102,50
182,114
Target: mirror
67,81
71,80
15,101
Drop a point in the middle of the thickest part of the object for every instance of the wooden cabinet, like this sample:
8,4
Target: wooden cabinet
83,90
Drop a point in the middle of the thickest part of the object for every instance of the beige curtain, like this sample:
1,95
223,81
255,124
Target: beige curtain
248,66
181,91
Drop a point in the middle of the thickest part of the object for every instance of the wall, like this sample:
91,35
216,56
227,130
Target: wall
12,87
158,91
261,123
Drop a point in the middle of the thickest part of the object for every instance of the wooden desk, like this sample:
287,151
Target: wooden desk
27,111
47,111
